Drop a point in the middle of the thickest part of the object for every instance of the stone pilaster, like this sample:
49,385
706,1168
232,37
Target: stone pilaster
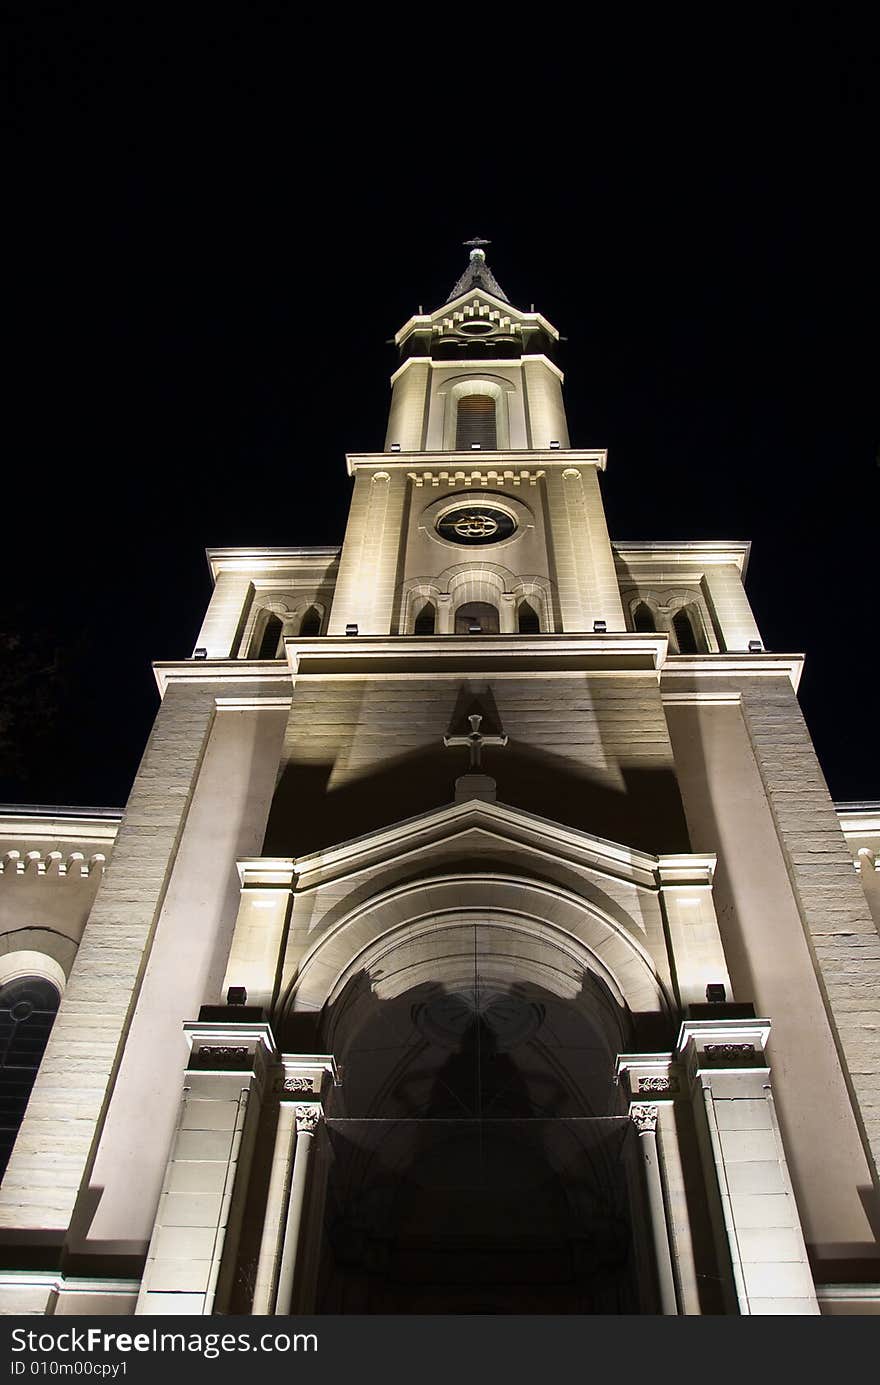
192,1251
368,567
226,615
840,932
692,926
726,597
745,1167
263,912
586,577
57,1137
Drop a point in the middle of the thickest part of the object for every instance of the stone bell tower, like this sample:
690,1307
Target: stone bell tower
479,935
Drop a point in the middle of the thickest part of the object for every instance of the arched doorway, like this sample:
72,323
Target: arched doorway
482,1161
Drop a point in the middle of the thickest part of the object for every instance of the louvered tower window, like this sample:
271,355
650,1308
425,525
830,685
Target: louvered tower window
476,423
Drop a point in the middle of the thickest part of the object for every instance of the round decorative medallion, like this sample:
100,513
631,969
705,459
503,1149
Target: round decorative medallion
475,524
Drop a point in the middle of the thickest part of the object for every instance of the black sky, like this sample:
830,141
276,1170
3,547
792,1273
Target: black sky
211,236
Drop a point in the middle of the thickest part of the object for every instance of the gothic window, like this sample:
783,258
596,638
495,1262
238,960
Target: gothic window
475,422
425,620
527,619
683,629
311,622
643,620
28,1005
477,614
270,638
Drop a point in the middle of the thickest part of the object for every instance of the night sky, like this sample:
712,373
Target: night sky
211,237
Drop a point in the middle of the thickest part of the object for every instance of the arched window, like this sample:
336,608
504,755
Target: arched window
426,620
475,422
28,1006
685,635
311,622
527,619
643,620
270,638
479,614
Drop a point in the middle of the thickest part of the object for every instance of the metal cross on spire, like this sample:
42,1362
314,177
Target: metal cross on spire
476,243
475,740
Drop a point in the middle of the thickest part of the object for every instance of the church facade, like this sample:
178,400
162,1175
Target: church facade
479,935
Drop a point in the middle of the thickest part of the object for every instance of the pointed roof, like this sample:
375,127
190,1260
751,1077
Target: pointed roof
478,275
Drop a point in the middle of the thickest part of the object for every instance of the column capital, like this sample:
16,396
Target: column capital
644,1117
308,1118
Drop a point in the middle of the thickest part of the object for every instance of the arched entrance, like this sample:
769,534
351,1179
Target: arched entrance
482,1160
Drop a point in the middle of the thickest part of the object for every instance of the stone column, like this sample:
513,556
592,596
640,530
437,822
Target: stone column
293,1221
191,1260
444,614
655,1083
757,1224
307,1120
644,1118
507,614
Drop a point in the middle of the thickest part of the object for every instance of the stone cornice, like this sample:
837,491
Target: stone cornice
683,677
468,462
271,673
474,366
687,868
417,656
681,670
697,553
33,827
859,820
267,560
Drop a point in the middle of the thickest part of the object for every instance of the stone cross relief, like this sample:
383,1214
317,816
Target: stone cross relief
475,741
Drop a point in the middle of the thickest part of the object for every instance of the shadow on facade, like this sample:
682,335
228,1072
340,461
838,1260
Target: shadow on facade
645,812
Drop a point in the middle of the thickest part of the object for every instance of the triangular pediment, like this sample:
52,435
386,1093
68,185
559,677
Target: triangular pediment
472,824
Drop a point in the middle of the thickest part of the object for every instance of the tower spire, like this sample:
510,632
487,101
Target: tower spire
478,274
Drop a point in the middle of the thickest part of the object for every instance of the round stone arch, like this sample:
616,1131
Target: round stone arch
547,921
37,951
28,962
